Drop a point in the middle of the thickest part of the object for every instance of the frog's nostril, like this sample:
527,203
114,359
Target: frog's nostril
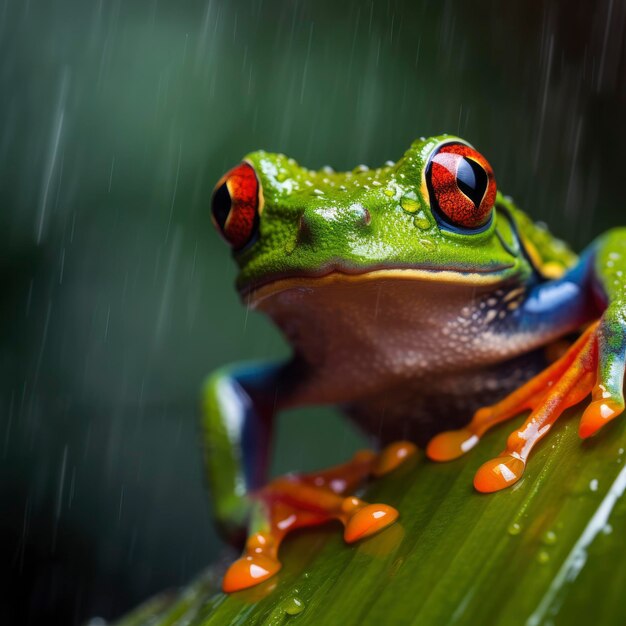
358,215
305,230
314,222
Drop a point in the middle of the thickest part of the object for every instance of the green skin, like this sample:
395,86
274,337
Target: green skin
316,224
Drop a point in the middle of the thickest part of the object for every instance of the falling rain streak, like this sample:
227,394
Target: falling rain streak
117,294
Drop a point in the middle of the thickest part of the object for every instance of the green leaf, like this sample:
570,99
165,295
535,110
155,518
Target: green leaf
549,550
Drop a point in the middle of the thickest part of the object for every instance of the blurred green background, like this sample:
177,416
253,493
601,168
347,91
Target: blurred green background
117,119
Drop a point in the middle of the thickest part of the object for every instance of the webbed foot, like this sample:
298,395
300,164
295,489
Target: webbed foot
297,501
594,364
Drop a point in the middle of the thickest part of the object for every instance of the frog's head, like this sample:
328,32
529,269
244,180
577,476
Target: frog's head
430,216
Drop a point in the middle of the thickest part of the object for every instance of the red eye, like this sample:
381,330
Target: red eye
461,185
235,206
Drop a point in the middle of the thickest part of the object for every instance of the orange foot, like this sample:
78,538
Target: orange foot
565,383
303,500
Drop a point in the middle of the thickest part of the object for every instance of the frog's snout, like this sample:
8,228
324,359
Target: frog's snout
317,222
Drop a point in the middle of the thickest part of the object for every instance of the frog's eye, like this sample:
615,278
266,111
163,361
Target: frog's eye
235,206
461,186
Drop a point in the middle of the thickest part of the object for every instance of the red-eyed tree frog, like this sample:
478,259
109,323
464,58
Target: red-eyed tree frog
417,298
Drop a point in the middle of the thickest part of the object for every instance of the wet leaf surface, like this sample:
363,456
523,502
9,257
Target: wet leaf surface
547,551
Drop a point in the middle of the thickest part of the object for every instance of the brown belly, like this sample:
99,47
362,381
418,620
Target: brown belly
419,411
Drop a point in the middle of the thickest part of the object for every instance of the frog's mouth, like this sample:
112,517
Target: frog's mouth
489,276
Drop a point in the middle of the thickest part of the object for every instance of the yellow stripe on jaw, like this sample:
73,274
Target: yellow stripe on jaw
440,276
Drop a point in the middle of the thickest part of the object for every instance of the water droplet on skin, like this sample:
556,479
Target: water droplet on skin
543,557
549,538
293,606
421,221
515,529
409,204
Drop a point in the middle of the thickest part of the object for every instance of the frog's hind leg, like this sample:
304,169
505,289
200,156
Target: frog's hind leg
297,501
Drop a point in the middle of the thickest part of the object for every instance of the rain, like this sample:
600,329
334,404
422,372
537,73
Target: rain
117,119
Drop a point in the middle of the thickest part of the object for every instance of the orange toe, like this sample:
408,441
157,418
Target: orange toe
368,520
248,571
451,444
392,456
596,415
498,473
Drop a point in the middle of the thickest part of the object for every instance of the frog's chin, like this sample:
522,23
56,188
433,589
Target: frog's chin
489,277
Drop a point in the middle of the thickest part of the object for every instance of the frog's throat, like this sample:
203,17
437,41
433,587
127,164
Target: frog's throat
487,277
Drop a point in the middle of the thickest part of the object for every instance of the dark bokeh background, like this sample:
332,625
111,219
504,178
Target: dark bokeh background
117,118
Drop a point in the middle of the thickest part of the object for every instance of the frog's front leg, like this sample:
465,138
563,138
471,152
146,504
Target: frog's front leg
237,419
594,364
238,408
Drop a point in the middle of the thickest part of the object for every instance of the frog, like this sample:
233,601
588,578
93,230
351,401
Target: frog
426,306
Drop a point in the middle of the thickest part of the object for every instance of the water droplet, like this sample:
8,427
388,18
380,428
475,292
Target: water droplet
428,244
281,177
388,192
515,529
293,606
549,538
421,221
543,556
409,204
593,484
